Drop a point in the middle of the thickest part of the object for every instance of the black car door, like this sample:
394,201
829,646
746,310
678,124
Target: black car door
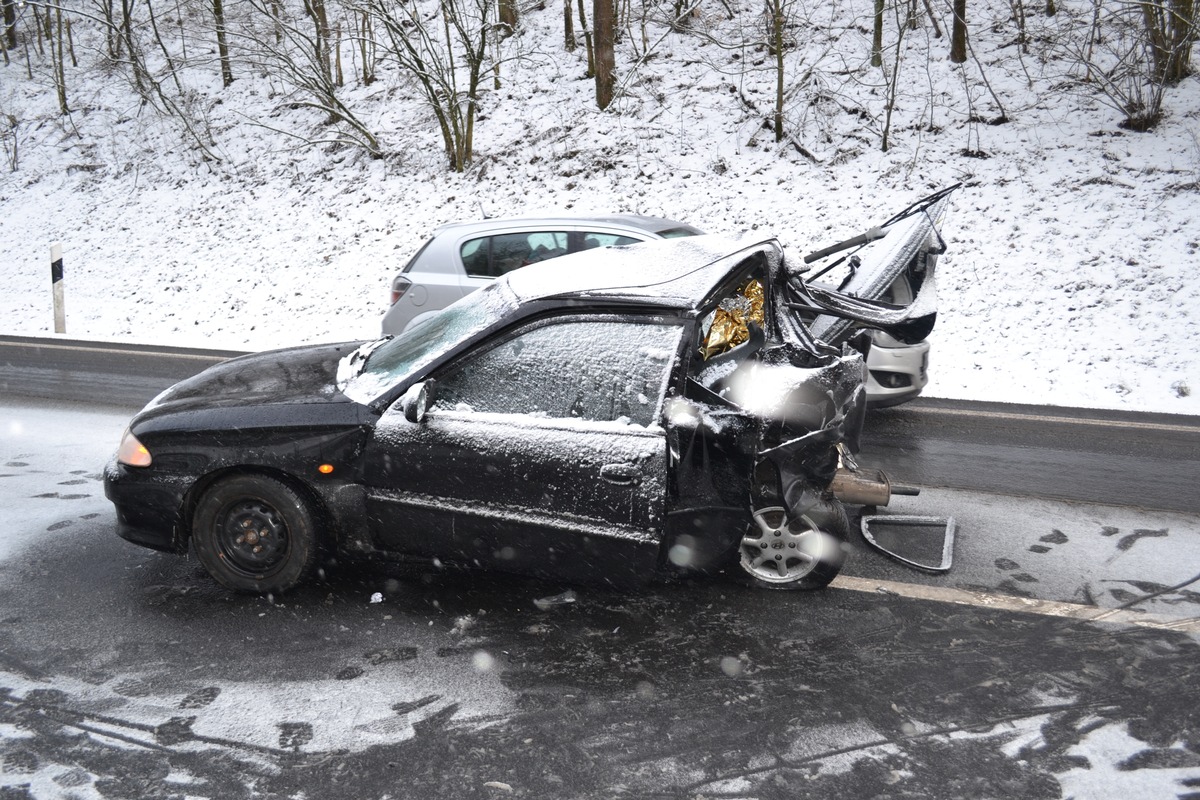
542,453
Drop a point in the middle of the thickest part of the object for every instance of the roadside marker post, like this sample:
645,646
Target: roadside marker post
56,282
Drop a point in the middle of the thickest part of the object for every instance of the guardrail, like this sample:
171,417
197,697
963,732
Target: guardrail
105,373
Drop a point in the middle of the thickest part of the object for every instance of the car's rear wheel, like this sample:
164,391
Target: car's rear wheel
254,533
782,550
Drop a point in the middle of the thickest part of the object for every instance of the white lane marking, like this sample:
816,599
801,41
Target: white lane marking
1004,602
1098,423
114,351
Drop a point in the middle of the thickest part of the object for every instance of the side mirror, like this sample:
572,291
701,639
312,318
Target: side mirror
417,400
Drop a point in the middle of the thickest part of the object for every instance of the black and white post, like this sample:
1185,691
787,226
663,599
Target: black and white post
56,280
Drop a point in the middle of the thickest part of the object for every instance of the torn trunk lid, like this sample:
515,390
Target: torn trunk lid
910,245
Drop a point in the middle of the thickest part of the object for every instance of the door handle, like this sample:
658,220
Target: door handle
621,474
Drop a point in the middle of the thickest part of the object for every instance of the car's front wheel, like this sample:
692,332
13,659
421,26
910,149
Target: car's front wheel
782,550
254,533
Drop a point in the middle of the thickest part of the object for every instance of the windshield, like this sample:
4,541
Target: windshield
421,345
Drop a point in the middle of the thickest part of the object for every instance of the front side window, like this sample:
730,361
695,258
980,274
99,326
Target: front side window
594,370
493,256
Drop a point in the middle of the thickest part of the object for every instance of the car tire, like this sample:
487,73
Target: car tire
255,534
785,551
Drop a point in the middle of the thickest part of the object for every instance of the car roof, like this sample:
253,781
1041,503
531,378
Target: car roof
634,221
669,273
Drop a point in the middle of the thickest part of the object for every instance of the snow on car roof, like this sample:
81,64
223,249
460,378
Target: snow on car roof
674,273
637,221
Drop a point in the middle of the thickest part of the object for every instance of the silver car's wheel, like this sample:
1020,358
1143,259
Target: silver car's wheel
785,551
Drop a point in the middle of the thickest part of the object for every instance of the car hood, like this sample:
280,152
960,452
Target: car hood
296,376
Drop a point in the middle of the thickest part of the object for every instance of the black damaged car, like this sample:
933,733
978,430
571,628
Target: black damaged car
610,416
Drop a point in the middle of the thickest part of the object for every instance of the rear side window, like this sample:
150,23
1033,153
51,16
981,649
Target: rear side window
492,256
593,239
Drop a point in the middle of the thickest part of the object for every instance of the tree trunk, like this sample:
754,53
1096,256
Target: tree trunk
602,22
162,46
568,27
366,47
776,8
222,45
41,28
877,36
937,29
10,23
587,41
339,78
958,33
1170,29
71,44
321,20
508,14
135,61
1022,36
60,71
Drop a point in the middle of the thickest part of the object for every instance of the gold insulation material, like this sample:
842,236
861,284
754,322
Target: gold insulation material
731,321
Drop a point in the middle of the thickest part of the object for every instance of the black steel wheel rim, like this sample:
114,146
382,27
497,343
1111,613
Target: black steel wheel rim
252,537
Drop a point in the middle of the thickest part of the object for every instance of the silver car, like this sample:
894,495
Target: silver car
465,256
462,257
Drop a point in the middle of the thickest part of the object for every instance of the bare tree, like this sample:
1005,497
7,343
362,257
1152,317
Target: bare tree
130,31
1171,28
1125,54
299,53
893,76
108,19
315,9
446,52
366,47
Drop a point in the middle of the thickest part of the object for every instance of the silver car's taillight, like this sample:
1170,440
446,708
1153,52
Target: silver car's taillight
399,286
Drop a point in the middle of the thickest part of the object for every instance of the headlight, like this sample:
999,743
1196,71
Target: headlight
132,452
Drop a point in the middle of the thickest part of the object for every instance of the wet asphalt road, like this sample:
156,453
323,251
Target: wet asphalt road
128,674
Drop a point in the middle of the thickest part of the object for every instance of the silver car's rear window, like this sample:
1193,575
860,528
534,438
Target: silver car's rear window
680,232
417,257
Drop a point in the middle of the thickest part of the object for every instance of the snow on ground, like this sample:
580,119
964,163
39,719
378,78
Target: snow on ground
1071,279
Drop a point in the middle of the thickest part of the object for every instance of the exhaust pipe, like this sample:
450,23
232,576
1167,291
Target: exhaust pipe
867,487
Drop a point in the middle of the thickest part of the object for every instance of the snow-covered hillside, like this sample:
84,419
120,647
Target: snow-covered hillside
1072,277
